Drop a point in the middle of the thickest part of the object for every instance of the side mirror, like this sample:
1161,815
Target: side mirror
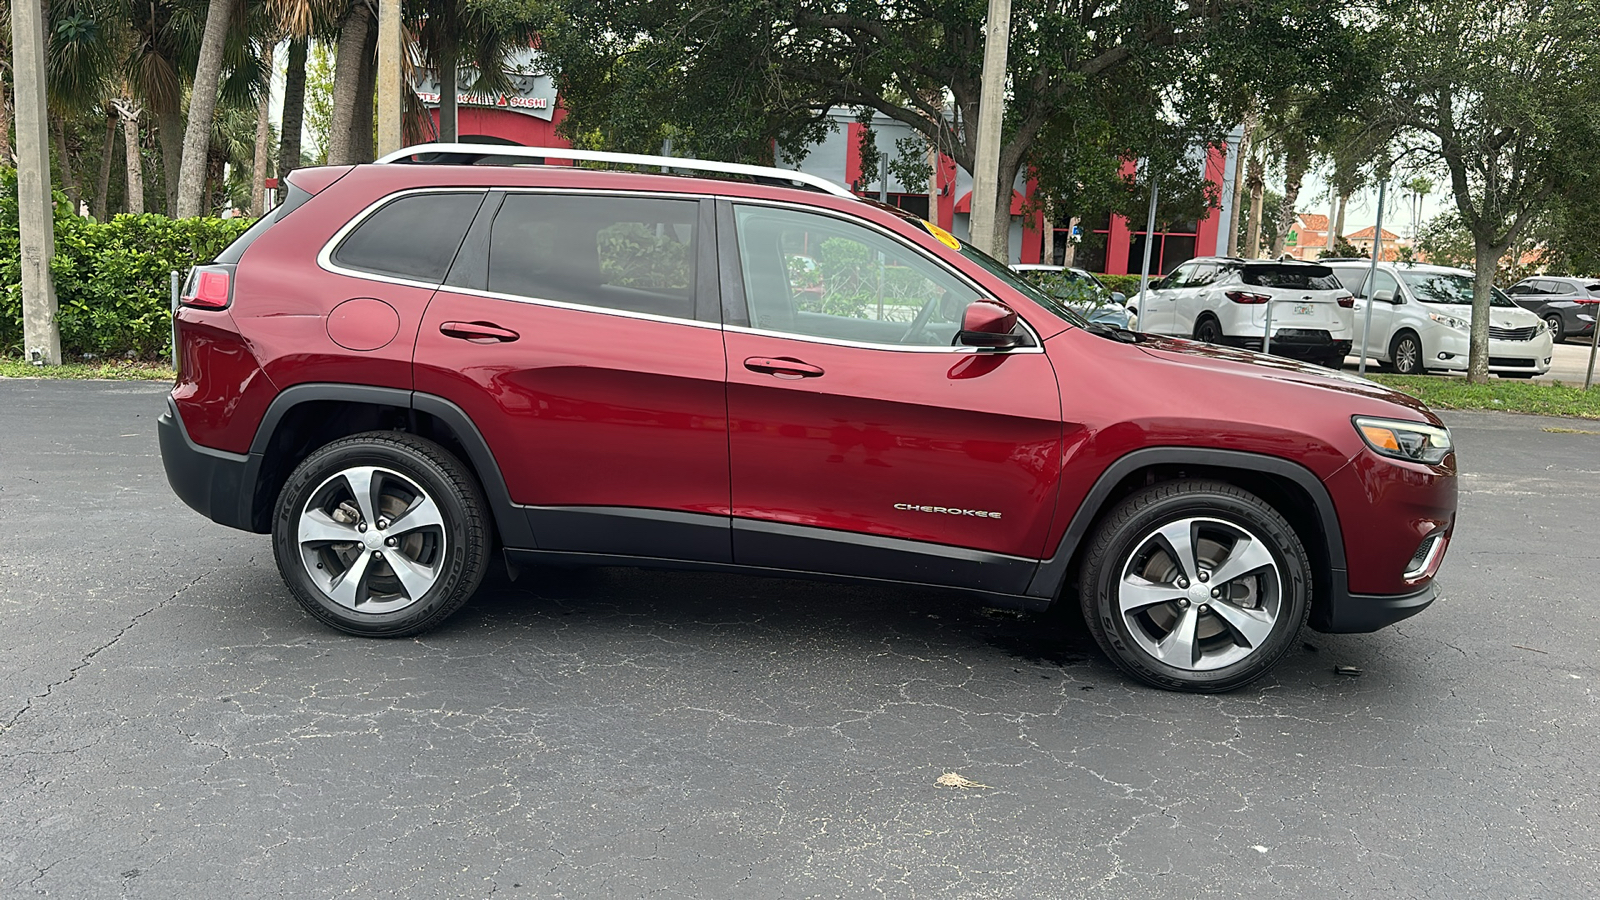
1384,297
1119,298
988,324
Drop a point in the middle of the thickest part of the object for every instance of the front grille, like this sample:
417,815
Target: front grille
1510,362
1512,334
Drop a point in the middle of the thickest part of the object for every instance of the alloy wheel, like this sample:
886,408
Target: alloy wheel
1407,356
1200,593
371,539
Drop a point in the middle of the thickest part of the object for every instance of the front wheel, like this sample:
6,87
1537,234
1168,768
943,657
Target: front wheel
1557,328
1405,355
1195,586
382,534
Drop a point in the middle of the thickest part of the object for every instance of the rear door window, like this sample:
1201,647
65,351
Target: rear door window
413,237
632,254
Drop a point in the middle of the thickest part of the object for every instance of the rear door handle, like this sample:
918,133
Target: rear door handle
478,332
782,367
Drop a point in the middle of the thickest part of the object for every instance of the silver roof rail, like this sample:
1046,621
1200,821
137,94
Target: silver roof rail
474,154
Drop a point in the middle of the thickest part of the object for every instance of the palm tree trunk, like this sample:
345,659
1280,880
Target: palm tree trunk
294,109
362,135
1295,164
128,111
5,123
102,188
347,67
260,164
1338,227
449,111
169,130
1256,177
202,106
1239,179
69,181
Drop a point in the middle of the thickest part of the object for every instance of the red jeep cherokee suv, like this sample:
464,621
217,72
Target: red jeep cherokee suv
408,366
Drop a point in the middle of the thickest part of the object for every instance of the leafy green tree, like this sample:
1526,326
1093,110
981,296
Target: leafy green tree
736,79
1506,97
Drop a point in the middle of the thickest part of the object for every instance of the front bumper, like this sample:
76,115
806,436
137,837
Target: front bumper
1347,613
1451,353
217,484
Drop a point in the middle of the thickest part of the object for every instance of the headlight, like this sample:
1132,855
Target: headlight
1411,441
1541,328
1450,321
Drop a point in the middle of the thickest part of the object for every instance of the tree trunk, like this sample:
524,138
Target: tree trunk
348,63
1294,174
1047,240
169,131
202,107
6,154
1239,165
102,188
69,181
1258,187
1070,256
128,111
294,110
449,111
1338,227
260,164
362,133
1487,257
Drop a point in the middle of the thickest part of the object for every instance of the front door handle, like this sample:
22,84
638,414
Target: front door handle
783,367
478,332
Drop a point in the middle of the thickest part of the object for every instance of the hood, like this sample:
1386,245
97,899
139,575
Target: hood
1249,364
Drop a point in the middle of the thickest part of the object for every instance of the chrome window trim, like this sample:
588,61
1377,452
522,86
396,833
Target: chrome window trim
325,255
982,294
325,262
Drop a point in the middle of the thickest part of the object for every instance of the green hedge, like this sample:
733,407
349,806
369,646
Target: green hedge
112,288
1128,284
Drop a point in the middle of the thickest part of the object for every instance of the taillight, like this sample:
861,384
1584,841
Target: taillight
1243,297
1347,301
209,287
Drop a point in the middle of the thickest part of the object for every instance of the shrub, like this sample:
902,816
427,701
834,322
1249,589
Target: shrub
112,289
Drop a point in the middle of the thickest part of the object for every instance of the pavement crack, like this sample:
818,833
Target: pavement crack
89,657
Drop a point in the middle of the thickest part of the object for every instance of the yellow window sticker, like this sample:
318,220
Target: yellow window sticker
945,237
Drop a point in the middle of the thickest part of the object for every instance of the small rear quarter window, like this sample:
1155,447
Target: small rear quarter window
413,237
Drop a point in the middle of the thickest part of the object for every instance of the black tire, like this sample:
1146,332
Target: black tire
1330,360
1208,331
1127,545
1558,331
1405,354
416,574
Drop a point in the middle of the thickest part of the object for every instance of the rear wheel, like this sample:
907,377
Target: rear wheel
1405,354
381,534
1208,331
1195,586
1333,360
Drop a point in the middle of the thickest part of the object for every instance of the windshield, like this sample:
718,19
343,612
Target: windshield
1448,287
1021,286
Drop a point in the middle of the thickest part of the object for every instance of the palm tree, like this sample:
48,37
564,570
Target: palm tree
202,106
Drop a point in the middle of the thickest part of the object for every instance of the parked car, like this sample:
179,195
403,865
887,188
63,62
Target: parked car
409,371
1422,317
1221,300
1567,305
1083,292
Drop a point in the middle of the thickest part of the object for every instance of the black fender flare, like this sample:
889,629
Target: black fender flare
509,520
1051,575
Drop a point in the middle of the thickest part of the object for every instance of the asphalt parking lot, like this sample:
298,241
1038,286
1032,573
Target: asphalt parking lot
172,725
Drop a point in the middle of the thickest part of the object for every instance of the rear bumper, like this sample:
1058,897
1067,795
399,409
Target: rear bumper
1293,345
217,484
1347,613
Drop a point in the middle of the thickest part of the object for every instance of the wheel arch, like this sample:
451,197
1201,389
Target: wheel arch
1290,488
307,416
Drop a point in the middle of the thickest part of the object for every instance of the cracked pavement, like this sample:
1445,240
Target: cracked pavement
175,726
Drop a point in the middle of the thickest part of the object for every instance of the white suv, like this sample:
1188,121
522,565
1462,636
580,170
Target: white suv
1422,316
1222,300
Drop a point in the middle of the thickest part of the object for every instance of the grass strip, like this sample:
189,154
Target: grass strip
1500,394
104,369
